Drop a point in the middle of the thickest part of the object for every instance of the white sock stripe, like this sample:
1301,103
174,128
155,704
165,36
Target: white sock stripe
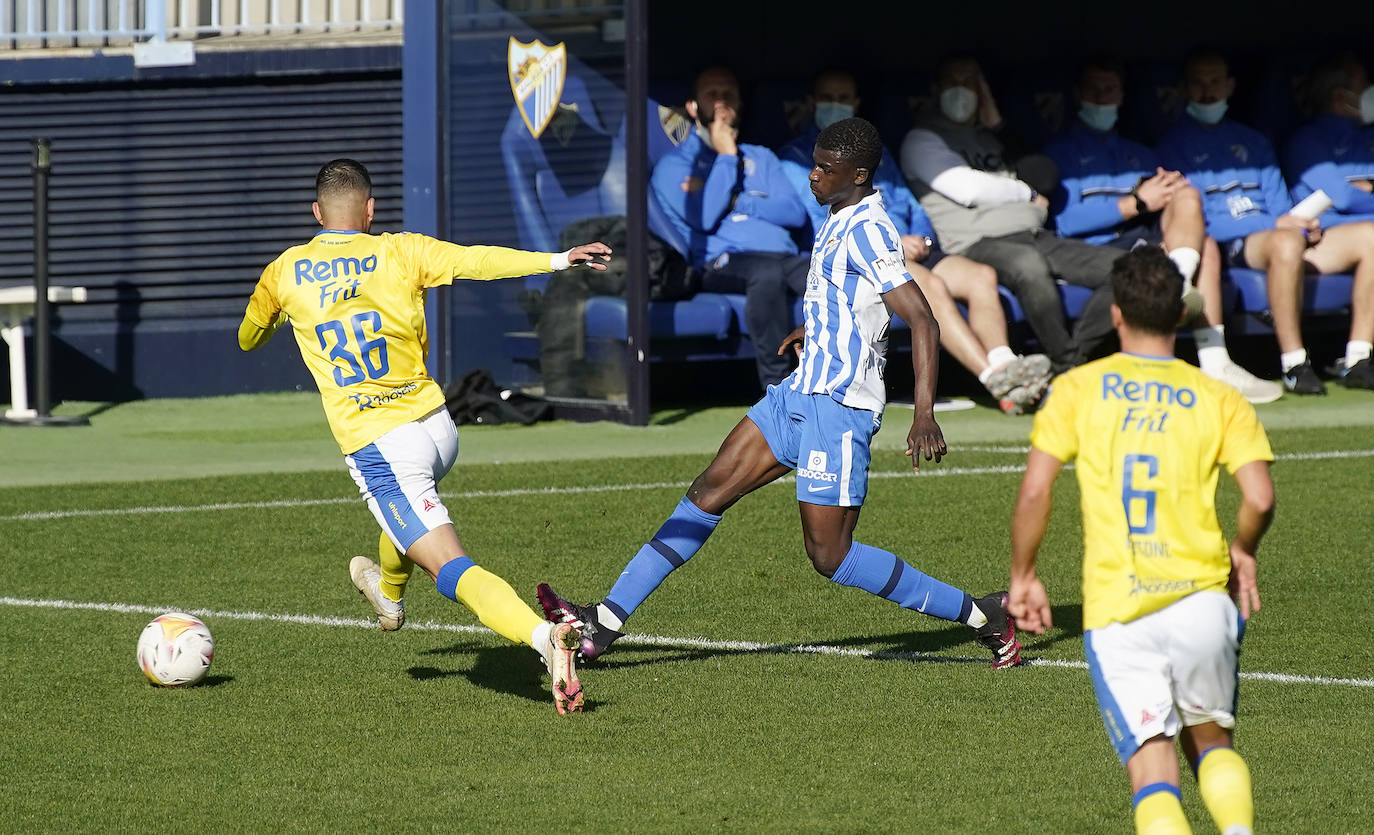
942,472
632,639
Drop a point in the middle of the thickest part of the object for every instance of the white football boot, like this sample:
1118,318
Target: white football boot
367,578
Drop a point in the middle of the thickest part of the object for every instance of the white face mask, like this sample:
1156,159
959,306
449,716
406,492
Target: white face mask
1098,116
830,112
958,103
1208,114
1367,105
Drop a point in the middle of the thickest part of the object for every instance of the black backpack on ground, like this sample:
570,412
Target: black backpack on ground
477,399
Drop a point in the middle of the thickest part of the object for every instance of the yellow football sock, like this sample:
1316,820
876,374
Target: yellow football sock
497,605
1159,812
1224,781
396,568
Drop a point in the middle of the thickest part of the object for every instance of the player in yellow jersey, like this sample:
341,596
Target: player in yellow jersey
1161,633
356,304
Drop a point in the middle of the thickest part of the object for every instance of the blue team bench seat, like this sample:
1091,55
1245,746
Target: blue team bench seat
704,316
1324,297
712,325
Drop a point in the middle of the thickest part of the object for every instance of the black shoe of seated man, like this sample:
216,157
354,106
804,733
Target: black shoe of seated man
1303,379
1358,376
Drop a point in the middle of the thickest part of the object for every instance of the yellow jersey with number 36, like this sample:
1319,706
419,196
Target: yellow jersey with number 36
1149,434
356,303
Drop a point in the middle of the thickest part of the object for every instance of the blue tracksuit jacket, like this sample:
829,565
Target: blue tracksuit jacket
1234,168
1327,153
721,204
1096,168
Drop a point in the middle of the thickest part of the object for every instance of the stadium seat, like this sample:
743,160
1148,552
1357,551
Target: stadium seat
1323,295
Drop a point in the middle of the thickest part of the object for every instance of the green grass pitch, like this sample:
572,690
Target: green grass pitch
752,696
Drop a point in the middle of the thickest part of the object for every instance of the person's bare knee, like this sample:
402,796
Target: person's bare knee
436,548
1197,739
826,551
1286,247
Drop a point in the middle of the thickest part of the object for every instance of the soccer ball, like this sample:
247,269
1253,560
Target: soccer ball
175,649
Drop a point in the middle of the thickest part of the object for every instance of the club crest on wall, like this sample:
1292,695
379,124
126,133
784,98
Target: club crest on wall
537,73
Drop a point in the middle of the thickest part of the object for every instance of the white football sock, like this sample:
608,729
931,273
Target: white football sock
539,639
997,358
607,618
1356,350
1000,356
1186,259
1289,360
976,618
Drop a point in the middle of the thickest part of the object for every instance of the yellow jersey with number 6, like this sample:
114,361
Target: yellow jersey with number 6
356,303
1149,434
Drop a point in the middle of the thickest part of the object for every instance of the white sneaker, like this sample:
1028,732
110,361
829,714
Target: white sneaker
1254,389
567,690
367,578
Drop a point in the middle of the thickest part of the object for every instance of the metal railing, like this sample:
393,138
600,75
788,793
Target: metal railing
45,24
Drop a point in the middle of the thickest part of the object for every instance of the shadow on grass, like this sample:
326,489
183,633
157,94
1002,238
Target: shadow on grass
926,647
512,670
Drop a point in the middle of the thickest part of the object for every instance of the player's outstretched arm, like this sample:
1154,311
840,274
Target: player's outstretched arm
925,437
1252,520
1028,601
589,254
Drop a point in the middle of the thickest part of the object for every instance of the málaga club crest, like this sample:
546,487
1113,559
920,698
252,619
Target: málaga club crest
537,73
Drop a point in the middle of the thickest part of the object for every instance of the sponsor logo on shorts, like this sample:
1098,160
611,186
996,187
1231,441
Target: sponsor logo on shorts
372,401
1146,717
816,488
396,514
1157,585
430,504
815,468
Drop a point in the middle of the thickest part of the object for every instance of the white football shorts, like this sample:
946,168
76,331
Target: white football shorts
398,475
1172,668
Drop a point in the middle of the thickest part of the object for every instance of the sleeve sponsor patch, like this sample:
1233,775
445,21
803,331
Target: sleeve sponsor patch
890,270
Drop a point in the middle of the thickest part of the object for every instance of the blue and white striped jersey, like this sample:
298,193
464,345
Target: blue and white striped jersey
857,256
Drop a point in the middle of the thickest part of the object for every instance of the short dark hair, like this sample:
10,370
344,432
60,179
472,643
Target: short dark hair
947,62
834,72
1333,73
1198,54
342,176
696,79
1103,62
1148,288
856,141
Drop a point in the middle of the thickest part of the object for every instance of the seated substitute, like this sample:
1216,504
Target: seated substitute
820,421
957,162
735,208
1161,634
1335,153
1116,194
979,344
356,305
1247,205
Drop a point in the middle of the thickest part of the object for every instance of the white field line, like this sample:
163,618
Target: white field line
930,472
632,639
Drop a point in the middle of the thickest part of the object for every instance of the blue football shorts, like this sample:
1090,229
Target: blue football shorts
826,441
398,475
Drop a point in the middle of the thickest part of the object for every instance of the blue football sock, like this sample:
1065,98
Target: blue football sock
446,583
680,537
878,572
